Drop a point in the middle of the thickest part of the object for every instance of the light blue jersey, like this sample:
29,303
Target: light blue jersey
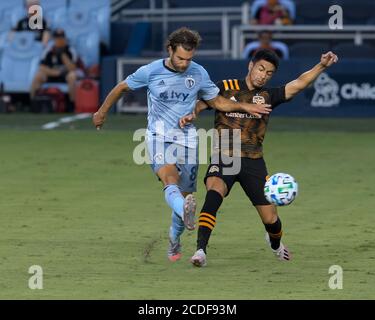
170,96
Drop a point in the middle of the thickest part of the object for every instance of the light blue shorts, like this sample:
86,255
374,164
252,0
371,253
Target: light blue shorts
162,153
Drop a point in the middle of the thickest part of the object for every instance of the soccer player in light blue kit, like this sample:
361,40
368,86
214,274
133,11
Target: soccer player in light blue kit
174,85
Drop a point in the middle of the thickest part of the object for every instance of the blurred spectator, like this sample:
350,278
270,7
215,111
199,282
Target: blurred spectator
42,35
265,42
59,64
272,12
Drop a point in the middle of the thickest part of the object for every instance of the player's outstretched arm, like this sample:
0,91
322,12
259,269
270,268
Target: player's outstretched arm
226,105
115,94
306,78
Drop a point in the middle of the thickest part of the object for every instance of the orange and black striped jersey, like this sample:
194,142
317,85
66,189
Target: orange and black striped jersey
252,129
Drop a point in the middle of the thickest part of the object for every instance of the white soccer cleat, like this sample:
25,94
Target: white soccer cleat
282,253
190,205
199,258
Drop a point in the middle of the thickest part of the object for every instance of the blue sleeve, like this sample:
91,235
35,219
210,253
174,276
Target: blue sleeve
138,79
208,89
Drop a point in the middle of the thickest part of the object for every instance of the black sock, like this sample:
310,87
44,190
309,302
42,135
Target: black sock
275,232
207,218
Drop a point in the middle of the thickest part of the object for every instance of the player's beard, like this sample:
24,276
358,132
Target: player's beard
177,68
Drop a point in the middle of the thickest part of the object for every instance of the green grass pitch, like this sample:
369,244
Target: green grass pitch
73,201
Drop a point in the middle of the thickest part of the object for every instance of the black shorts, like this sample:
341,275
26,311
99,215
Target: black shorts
252,177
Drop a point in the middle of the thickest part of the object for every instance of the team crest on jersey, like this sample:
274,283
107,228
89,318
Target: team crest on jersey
189,82
259,100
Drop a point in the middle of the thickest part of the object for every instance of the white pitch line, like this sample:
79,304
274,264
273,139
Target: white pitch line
55,124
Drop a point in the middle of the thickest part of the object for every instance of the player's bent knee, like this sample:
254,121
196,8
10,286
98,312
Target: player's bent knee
169,179
168,174
268,213
216,184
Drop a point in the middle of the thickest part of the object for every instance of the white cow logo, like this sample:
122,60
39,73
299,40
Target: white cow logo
326,92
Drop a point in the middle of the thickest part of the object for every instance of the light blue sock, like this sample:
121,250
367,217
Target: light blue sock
177,227
175,199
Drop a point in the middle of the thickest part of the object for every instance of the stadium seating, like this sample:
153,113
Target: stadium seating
87,46
313,11
138,37
100,11
52,9
288,4
10,13
83,34
62,86
316,11
3,42
20,61
357,12
143,4
350,51
210,32
305,49
200,3
3,39
275,44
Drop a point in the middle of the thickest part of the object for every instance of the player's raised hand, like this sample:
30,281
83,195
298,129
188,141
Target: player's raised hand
256,109
327,59
187,119
98,119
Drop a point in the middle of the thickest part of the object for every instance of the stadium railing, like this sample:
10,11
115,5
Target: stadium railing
242,34
226,16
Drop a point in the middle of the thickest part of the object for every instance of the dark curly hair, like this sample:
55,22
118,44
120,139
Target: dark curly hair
184,37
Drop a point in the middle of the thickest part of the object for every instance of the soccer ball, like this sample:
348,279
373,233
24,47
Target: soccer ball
281,189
